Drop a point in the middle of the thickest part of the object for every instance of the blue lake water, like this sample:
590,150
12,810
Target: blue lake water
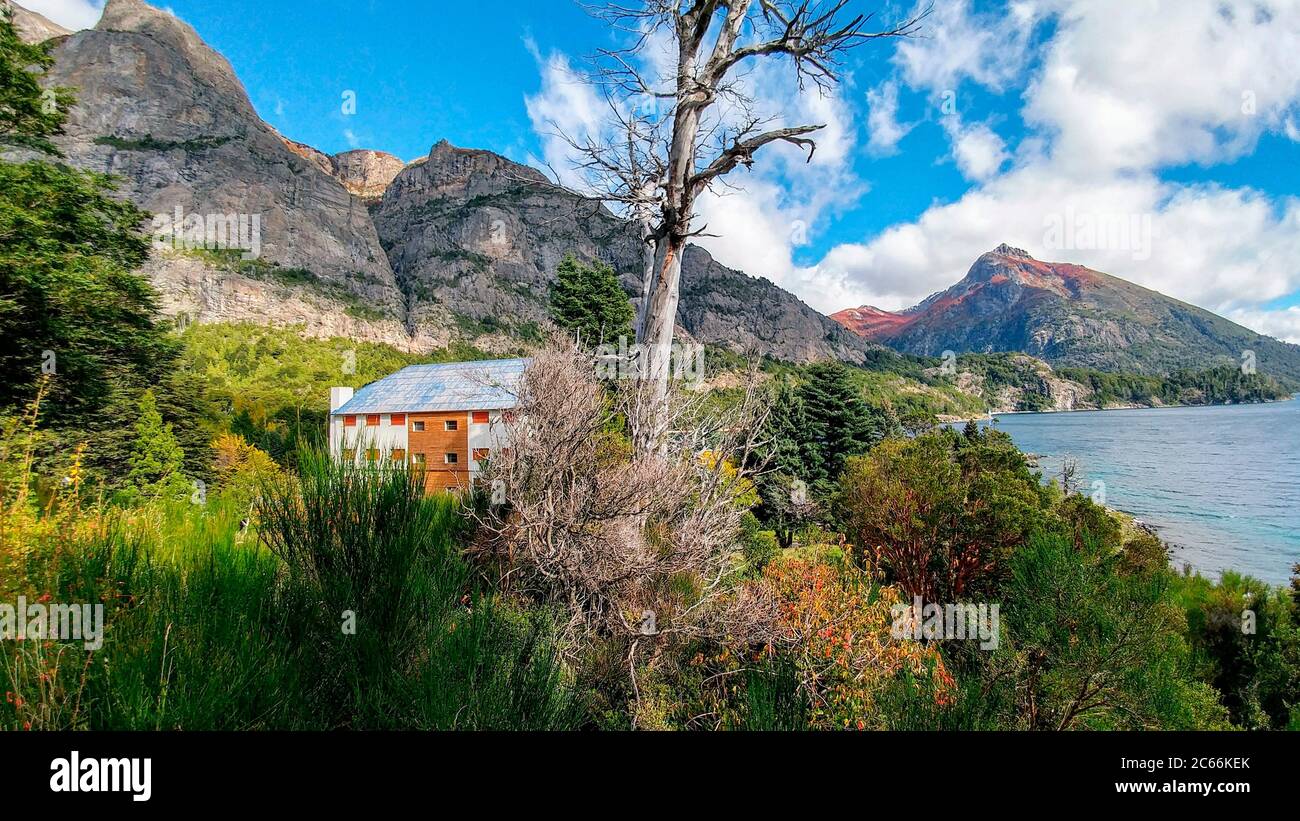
1220,484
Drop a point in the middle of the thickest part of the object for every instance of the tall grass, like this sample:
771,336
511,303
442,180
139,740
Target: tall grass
207,628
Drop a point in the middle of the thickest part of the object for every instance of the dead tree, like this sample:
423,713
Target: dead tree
673,140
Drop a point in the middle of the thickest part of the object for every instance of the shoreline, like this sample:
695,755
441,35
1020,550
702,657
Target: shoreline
948,420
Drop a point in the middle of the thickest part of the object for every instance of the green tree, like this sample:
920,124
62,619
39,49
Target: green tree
839,424
589,301
940,513
787,462
29,115
72,306
157,460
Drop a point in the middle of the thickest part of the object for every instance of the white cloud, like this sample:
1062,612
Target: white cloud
1123,90
1283,324
958,44
882,120
1133,85
71,14
977,149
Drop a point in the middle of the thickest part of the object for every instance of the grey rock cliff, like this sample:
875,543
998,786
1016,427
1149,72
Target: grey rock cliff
473,235
165,113
461,245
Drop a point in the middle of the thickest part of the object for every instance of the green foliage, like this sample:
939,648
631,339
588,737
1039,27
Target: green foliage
206,630
67,287
156,458
29,115
1218,385
1097,648
1246,643
942,512
589,301
152,143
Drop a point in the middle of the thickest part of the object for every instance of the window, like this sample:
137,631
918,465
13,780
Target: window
372,419
349,455
417,461
417,425
452,458
509,416
480,417
398,419
480,454
372,455
450,424
399,454
349,421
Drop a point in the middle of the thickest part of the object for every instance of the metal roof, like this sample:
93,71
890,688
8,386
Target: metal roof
458,386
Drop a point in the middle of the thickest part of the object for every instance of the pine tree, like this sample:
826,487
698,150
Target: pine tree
588,300
157,460
839,423
787,458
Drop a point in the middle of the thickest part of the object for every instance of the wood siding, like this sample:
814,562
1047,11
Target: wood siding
435,442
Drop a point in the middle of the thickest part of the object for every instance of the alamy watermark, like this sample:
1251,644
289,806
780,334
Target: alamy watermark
211,232
624,361
947,622
59,622
1095,231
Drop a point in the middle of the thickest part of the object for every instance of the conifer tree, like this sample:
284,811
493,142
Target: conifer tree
587,300
157,460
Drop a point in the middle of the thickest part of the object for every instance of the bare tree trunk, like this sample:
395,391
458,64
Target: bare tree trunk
657,339
646,233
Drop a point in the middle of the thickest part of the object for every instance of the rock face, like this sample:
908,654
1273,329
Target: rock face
33,27
366,174
461,245
476,237
1069,315
166,114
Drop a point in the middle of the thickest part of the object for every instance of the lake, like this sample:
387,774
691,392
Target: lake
1220,484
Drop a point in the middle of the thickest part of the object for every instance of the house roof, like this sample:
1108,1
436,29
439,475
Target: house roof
458,386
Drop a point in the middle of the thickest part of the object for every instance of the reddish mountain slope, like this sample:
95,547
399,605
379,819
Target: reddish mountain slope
1067,314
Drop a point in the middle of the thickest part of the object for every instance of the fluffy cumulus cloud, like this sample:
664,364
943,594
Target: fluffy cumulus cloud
882,120
71,14
1110,94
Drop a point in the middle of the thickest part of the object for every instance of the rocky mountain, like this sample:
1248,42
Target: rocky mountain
1069,315
166,115
458,246
474,237
33,27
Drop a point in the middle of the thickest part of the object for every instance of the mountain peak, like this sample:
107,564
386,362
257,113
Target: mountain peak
33,27
1011,251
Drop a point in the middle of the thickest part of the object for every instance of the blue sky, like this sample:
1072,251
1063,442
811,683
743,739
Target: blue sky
1177,125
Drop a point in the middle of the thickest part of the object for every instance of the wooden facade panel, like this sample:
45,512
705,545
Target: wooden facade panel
435,442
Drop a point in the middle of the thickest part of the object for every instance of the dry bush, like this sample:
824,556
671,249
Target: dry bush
639,549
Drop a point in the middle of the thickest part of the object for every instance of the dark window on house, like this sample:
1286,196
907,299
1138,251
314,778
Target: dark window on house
452,458
417,426
417,461
450,424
